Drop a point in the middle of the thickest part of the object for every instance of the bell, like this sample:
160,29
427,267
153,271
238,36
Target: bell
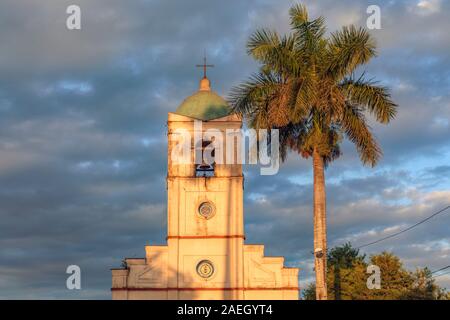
205,167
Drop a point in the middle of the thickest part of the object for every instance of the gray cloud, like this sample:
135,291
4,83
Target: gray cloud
83,149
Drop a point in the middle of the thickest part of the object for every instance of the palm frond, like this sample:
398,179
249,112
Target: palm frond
275,52
306,95
367,94
348,49
358,131
258,89
292,137
298,14
261,44
308,33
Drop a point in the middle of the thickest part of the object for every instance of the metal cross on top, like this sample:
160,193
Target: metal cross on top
204,66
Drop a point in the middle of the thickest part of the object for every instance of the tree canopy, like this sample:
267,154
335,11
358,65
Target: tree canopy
347,278
307,88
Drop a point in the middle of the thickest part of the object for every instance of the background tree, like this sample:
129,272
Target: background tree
341,260
424,287
309,293
397,283
306,88
395,280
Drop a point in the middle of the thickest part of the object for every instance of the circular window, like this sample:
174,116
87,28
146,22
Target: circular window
205,269
206,210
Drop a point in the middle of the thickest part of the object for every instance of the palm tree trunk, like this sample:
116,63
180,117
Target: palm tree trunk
320,228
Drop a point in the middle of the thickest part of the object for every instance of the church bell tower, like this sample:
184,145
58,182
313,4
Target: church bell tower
205,256
205,227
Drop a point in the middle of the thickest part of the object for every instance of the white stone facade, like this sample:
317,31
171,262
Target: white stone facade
205,258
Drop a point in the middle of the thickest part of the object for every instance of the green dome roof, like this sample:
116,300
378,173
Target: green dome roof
204,105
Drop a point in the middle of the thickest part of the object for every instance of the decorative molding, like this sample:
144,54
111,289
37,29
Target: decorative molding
204,289
207,237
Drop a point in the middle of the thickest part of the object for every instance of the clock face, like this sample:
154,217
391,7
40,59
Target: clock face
206,210
205,269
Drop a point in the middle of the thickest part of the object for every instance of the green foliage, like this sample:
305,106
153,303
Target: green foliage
344,256
344,262
309,293
306,88
425,288
347,278
395,281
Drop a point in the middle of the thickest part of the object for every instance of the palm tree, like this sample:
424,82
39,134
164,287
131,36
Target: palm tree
306,87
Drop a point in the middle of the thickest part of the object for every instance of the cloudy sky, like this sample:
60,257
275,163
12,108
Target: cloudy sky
82,135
